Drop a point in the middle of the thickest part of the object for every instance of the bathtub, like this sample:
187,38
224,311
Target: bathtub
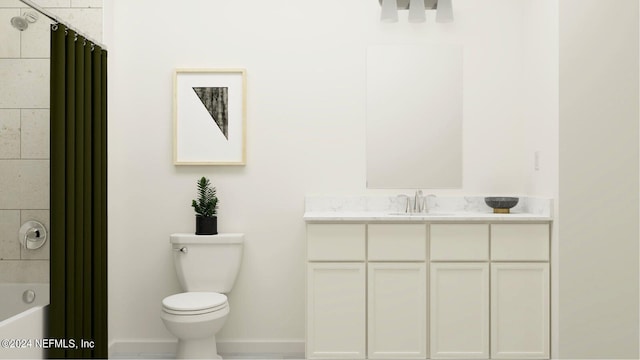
23,310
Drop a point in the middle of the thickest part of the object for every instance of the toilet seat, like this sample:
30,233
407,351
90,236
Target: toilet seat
194,303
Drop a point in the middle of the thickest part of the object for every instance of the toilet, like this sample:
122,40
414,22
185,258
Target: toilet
207,266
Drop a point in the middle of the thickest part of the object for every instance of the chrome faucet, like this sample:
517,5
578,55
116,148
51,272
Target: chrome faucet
407,208
418,202
420,205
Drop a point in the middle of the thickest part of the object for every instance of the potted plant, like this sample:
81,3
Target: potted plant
206,208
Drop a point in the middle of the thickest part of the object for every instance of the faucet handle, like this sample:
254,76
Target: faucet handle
425,207
407,208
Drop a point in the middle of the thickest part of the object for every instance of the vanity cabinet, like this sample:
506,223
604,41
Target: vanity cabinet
519,310
459,308
397,310
336,291
336,310
396,242
449,290
335,242
520,291
396,291
459,311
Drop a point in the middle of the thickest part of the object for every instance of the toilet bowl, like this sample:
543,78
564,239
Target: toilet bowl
207,266
195,318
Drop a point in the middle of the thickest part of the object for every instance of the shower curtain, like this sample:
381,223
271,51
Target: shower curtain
78,301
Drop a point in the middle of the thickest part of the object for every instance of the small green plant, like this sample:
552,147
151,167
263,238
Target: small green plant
207,204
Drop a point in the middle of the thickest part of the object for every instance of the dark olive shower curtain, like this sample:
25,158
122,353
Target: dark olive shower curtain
78,302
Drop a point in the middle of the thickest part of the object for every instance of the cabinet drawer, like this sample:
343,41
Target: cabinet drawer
335,242
397,242
520,242
459,242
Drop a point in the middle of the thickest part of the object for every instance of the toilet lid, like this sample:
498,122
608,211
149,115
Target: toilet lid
194,301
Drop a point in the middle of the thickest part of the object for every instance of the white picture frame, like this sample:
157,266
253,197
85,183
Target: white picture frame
209,117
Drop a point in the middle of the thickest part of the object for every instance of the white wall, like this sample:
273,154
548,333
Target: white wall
540,92
540,115
306,121
598,179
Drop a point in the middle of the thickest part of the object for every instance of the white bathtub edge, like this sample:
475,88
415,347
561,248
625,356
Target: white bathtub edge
29,324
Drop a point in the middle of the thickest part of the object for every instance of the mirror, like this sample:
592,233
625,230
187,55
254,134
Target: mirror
414,116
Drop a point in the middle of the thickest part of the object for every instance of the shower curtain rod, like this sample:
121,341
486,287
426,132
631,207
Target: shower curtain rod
57,20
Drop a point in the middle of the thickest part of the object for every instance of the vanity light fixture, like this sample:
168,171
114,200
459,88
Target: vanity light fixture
389,12
445,11
416,9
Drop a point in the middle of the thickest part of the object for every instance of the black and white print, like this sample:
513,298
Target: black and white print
216,101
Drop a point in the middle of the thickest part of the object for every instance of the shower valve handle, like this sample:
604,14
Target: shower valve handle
33,235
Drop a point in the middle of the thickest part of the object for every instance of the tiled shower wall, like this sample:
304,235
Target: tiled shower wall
24,128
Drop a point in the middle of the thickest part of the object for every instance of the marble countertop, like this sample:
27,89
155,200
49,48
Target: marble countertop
376,208
334,216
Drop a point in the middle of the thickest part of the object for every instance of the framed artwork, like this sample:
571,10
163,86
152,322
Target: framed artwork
209,116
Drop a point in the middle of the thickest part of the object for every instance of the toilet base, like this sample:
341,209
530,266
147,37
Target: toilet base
197,349
196,333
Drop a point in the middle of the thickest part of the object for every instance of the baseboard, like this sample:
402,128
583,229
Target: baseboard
140,348
163,348
284,347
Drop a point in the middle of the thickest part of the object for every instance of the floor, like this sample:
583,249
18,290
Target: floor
231,356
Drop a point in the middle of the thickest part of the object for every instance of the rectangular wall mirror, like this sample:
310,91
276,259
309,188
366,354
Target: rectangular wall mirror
414,116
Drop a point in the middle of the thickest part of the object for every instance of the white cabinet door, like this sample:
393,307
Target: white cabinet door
520,310
397,299
336,310
459,313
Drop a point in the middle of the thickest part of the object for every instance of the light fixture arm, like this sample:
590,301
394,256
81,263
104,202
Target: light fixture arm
404,4
390,9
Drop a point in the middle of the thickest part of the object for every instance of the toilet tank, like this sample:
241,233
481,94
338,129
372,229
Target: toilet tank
207,262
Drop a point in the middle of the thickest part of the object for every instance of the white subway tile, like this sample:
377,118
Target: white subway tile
24,184
11,4
9,183
54,3
9,134
35,134
86,3
41,216
25,83
88,21
35,41
24,271
9,226
34,184
9,36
